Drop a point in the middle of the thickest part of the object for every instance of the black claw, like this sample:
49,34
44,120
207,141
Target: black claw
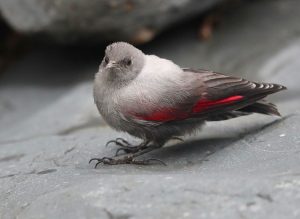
123,141
97,164
104,160
109,142
99,160
119,141
121,149
93,160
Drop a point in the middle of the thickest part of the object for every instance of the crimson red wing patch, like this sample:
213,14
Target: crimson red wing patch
171,114
164,115
205,104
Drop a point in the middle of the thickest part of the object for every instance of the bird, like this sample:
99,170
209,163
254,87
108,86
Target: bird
155,100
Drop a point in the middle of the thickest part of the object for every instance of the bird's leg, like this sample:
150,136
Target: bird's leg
129,158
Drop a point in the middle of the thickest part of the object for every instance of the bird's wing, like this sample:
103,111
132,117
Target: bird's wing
210,93
226,93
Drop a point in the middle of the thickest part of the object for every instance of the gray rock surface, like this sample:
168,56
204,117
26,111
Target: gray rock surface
242,168
98,20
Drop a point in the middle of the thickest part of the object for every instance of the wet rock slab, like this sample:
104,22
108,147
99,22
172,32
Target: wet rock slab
242,168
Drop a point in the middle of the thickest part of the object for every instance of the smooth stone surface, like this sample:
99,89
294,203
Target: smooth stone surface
241,168
99,20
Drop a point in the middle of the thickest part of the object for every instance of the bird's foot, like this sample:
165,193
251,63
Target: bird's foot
129,158
124,160
126,147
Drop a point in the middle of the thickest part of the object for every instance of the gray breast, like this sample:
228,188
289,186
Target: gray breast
104,100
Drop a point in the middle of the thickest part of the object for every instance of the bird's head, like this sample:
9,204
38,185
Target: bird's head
122,62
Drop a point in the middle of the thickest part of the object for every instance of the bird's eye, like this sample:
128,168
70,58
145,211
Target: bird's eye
128,62
106,60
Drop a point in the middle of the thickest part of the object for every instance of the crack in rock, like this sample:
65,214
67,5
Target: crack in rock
15,157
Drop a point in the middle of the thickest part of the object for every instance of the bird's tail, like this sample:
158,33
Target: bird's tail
261,107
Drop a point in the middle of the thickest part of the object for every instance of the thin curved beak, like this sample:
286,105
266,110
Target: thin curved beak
111,64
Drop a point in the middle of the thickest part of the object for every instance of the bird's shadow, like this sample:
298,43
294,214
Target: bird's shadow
198,151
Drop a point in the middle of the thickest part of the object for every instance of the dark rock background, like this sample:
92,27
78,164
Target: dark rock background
242,168
98,20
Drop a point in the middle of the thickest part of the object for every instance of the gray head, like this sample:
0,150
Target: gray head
122,62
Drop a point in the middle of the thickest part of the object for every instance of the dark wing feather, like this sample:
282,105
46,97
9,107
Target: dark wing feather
220,86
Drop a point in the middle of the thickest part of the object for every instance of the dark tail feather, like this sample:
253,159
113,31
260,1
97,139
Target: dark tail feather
253,104
258,107
261,107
